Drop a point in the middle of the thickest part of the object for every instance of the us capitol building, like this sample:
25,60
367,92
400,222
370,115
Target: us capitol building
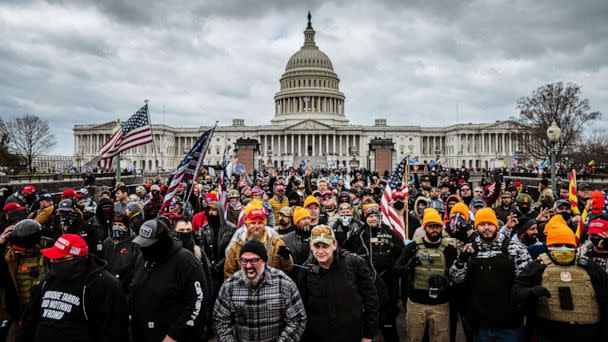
310,124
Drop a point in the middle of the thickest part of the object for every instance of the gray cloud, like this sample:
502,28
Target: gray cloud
412,62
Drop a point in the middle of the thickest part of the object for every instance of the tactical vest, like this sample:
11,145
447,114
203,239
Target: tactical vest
29,273
585,309
432,262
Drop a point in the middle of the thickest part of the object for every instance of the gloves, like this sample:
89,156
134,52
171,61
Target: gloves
539,291
284,252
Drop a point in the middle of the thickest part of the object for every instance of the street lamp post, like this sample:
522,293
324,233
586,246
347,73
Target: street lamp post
553,133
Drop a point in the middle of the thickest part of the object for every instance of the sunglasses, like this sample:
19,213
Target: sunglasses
252,261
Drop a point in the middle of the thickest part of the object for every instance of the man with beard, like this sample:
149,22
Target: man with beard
258,303
338,292
489,266
345,224
234,207
167,298
120,252
330,208
425,263
285,225
380,246
567,294
256,229
526,233
78,300
71,222
152,206
505,207
583,192
278,201
465,193
297,241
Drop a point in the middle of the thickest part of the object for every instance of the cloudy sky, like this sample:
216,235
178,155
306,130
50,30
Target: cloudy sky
412,62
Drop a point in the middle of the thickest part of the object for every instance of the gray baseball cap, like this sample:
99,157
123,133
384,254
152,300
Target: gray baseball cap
148,233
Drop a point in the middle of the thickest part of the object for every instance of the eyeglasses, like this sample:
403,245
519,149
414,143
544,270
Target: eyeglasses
478,191
252,261
434,226
465,189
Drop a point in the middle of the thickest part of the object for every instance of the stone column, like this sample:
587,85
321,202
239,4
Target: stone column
306,145
333,147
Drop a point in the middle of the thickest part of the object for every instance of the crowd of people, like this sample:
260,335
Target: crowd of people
306,255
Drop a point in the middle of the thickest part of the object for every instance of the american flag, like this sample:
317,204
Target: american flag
390,216
136,131
224,181
189,166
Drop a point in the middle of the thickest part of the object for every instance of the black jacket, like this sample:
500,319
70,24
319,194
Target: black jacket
103,308
168,297
383,245
558,331
215,240
122,258
341,302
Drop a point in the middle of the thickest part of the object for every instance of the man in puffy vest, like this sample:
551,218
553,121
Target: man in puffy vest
425,262
568,296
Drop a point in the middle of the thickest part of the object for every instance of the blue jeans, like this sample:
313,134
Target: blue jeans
498,335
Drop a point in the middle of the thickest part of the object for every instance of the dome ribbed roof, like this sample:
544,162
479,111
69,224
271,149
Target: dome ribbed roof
309,55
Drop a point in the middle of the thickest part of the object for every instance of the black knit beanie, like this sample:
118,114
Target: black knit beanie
255,247
524,224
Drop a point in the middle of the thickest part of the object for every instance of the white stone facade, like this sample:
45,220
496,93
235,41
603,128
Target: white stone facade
310,123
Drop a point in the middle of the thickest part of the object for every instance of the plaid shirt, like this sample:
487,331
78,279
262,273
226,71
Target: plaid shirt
272,312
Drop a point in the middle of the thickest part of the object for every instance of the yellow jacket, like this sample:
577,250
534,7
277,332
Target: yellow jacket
271,240
277,206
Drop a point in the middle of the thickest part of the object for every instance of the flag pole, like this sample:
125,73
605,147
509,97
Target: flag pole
117,176
153,143
200,161
407,198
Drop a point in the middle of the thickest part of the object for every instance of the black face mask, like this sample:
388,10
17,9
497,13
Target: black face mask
214,220
399,205
524,210
158,250
566,216
187,240
155,194
70,269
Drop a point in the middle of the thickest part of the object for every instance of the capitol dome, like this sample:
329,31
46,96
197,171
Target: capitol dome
309,87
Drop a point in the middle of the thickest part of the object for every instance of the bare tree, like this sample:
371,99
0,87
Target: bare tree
29,136
594,147
3,134
553,102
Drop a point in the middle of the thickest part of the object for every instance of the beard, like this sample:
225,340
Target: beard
433,237
252,282
491,238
